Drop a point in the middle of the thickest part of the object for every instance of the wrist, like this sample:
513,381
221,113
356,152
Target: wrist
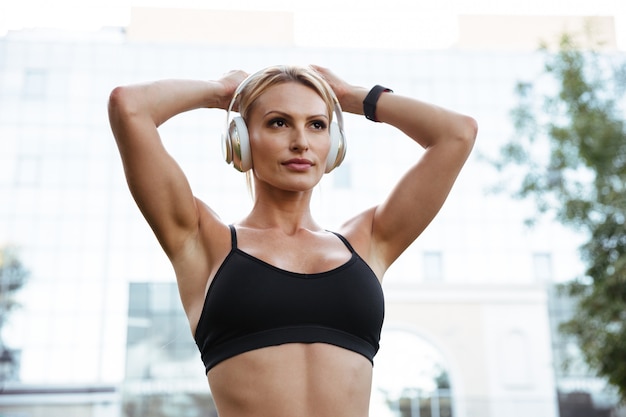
216,95
352,100
371,100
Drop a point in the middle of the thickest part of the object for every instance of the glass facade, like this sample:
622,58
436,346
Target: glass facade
164,374
101,307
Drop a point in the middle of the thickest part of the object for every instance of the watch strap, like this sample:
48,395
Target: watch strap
369,104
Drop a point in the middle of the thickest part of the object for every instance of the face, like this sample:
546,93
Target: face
289,137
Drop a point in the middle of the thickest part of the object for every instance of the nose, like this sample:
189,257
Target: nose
299,142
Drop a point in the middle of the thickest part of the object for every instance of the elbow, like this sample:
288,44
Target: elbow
469,130
123,109
467,133
120,102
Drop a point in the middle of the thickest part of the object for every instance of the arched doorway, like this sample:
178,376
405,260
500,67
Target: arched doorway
411,378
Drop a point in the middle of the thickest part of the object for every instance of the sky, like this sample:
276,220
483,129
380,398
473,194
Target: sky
95,14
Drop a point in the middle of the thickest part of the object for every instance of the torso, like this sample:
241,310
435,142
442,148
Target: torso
304,379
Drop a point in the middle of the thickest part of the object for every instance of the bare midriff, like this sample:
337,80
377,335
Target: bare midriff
304,380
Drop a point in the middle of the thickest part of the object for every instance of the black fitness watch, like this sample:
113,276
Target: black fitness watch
369,104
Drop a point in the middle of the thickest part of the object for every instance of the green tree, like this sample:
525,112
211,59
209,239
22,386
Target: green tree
570,151
13,275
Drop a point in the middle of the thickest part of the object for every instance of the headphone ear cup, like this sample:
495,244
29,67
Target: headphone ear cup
227,148
337,149
239,143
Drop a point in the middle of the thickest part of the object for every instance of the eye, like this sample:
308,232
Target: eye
278,122
319,125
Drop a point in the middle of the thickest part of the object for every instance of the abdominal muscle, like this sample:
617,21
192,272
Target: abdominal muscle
304,380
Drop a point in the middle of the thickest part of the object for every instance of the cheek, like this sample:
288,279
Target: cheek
256,144
262,149
323,144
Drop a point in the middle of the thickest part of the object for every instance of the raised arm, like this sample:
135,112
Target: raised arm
447,138
156,182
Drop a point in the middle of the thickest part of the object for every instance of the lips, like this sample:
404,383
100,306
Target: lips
298,164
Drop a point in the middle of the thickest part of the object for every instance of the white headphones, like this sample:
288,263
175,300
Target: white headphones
236,141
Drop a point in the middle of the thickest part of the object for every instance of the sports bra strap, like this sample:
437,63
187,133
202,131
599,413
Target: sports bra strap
344,240
233,236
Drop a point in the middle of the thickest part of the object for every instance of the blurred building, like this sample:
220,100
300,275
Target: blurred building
102,330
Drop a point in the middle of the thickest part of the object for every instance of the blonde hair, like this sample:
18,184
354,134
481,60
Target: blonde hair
258,83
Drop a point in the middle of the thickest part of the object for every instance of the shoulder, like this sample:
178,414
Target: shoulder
359,231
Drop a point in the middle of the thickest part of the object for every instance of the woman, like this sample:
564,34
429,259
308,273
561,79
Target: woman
286,315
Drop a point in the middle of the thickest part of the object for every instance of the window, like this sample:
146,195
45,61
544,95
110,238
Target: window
35,83
542,267
411,378
342,177
163,367
28,170
158,338
433,266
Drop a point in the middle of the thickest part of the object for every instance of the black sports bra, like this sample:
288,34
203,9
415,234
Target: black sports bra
251,304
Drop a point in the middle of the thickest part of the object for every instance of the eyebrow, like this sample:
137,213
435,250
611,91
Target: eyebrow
288,115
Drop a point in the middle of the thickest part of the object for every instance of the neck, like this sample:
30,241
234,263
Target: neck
288,211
